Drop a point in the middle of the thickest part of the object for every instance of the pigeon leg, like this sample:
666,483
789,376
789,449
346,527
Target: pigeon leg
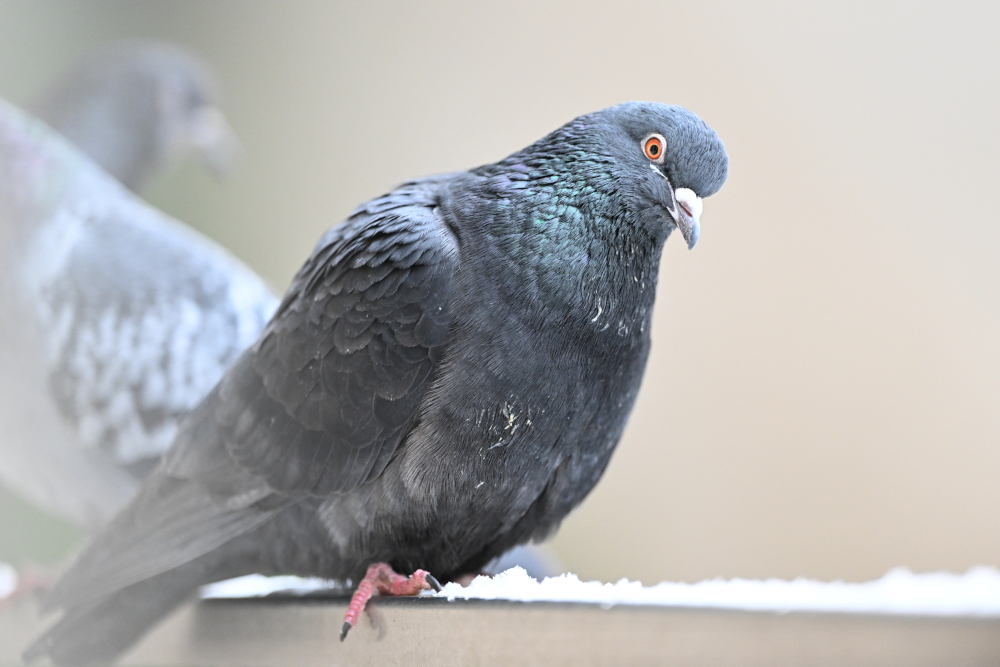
381,578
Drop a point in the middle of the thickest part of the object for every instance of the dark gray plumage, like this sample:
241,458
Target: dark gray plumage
446,378
117,321
136,106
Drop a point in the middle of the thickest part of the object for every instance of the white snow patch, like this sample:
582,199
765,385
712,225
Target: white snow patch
8,580
976,593
257,585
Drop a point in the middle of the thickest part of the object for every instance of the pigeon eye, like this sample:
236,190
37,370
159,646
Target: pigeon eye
653,146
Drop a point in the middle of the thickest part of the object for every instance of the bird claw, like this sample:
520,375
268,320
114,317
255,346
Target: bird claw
382,579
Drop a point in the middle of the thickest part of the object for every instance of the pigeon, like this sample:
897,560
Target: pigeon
446,377
117,321
136,106
132,107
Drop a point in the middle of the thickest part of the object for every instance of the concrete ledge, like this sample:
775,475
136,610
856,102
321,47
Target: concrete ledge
297,631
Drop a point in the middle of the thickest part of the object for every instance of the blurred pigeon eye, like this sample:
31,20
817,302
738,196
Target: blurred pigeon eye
653,146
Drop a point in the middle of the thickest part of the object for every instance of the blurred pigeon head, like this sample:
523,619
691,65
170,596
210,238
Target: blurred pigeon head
137,106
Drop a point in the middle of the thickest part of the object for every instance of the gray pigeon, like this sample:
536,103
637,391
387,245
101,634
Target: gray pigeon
117,321
446,378
137,106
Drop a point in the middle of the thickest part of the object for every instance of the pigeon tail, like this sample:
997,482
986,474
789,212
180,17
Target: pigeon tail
101,631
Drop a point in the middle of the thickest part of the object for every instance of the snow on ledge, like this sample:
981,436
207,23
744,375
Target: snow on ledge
8,580
975,593
257,585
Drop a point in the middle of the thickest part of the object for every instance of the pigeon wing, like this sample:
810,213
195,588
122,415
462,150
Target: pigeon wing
317,406
324,398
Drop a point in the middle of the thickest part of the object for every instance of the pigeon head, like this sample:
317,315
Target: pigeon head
661,160
186,97
137,105
667,156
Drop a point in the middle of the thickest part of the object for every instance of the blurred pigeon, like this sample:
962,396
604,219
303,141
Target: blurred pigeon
537,561
136,106
446,378
117,321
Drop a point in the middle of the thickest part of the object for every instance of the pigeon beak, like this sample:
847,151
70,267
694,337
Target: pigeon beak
212,135
688,213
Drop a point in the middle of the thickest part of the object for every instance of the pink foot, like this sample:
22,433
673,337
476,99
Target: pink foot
383,579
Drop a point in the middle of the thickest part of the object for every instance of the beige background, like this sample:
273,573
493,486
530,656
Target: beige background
822,394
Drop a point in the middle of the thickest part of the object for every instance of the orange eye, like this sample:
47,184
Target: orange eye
653,147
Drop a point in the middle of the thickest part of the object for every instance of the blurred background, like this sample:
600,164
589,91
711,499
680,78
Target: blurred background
822,398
